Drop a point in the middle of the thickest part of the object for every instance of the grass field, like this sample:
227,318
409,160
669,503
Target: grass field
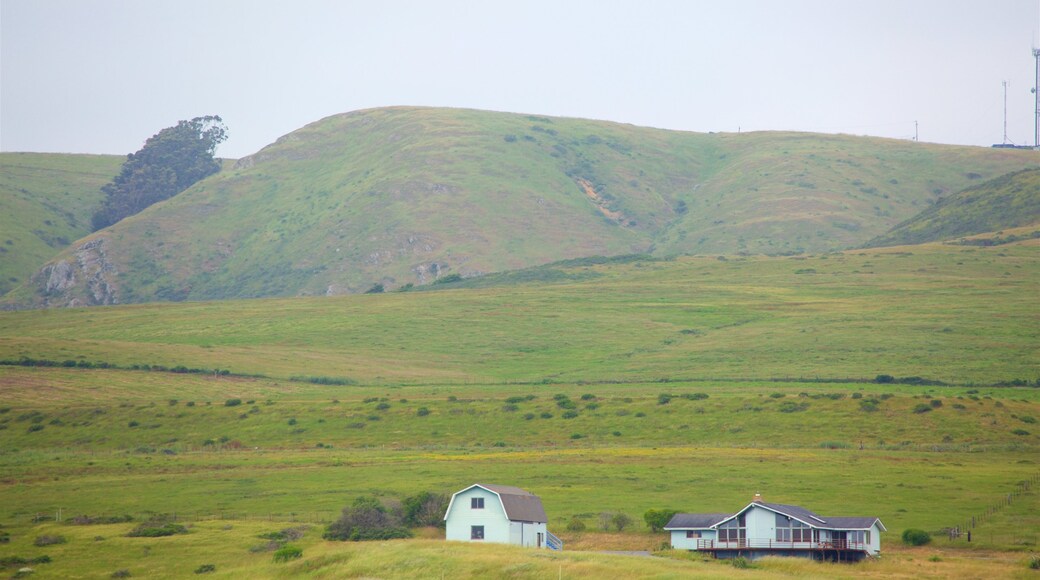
953,313
619,387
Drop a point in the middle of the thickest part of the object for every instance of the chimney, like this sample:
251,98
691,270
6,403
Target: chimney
758,497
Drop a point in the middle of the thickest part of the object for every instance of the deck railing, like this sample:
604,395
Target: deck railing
771,544
552,542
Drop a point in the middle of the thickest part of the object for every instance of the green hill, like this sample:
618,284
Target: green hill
1008,201
46,201
407,195
935,311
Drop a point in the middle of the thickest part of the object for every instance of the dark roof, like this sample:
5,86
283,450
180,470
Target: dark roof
694,521
796,512
852,523
520,505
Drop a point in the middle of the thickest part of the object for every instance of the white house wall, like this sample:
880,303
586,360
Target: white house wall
681,542
492,517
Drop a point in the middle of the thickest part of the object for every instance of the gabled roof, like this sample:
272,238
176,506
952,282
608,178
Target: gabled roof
854,523
694,521
708,521
518,504
792,511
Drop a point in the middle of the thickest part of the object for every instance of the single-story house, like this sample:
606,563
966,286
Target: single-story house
501,514
772,529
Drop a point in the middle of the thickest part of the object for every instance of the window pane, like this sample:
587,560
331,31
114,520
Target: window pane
477,503
476,532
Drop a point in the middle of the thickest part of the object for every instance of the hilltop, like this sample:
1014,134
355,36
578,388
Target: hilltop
46,200
397,196
1008,201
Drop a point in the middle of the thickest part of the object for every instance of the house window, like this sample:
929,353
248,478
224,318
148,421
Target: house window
476,532
692,534
476,503
792,530
734,530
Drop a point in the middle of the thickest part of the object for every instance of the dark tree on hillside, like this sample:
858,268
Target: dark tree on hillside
170,162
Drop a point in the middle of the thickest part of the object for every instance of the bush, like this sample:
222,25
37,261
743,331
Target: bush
425,509
546,415
366,519
741,562
664,399
231,403
575,525
124,573
49,540
922,408
621,521
657,519
286,553
206,569
422,411
935,403
1021,432
915,537
569,414
157,528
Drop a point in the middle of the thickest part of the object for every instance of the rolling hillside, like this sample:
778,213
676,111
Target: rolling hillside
402,196
1007,201
46,201
935,311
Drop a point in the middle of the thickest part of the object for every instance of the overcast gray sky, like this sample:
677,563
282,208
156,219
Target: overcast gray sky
101,76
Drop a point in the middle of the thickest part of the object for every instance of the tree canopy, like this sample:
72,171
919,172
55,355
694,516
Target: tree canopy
171,161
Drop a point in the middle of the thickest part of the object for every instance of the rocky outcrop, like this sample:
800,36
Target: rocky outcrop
84,279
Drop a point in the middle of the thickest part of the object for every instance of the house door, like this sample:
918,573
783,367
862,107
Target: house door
540,539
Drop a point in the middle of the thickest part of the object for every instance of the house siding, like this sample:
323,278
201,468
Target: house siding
492,517
681,542
497,526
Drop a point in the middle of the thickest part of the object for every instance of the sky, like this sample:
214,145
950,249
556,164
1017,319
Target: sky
101,76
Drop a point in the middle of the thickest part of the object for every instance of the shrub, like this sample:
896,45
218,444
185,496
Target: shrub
422,411
286,553
777,396
529,416
35,427
1027,419
565,404
575,525
883,379
382,406
49,540
922,408
425,509
740,562
546,415
569,414
231,403
5,538
588,397
515,399
1021,432
366,519
206,569
792,407
124,573
935,403
577,436
1034,562
621,521
156,528
657,519
915,537
509,408
664,399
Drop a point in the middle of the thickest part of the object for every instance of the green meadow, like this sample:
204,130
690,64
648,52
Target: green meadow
898,383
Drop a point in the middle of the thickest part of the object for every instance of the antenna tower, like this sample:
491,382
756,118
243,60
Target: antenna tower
1005,83
1036,94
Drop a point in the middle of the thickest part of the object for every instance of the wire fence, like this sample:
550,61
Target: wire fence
967,530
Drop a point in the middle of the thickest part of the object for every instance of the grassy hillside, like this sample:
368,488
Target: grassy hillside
46,201
1008,201
408,195
935,311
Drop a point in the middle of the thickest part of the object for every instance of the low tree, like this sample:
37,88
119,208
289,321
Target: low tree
171,161
657,519
367,519
425,509
621,521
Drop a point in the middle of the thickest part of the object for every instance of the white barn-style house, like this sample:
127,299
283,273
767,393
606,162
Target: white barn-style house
772,529
501,514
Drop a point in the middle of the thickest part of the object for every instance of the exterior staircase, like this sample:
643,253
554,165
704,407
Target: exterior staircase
552,542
